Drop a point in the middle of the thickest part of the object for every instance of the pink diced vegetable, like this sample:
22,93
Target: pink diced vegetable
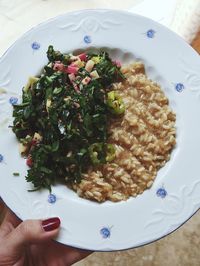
29,161
86,80
34,142
71,77
82,56
58,66
72,69
117,63
76,87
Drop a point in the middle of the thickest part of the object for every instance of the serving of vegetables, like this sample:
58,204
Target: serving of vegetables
62,122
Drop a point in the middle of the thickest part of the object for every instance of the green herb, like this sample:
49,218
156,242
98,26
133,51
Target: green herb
71,117
16,174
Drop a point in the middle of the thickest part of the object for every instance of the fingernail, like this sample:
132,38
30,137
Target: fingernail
51,224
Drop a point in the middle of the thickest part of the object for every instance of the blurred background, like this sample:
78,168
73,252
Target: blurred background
18,16
182,248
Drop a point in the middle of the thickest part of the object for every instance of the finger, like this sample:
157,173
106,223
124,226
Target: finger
10,221
1,203
65,255
8,224
32,231
2,209
10,217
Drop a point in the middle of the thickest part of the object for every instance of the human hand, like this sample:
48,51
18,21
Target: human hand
30,243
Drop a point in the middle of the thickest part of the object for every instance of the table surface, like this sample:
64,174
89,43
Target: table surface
196,43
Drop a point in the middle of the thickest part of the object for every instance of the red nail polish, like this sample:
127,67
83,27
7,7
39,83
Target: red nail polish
51,224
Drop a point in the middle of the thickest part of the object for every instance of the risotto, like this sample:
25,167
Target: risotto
143,138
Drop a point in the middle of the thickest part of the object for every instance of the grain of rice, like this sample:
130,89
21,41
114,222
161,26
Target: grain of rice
125,179
89,194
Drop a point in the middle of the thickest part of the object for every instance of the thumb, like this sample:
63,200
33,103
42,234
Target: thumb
33,231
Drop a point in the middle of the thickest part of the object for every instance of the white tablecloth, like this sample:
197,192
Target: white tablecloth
181,16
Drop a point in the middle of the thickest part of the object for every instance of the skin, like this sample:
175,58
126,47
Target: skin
27,244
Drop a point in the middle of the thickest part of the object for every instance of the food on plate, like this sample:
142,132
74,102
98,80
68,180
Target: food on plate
102,129
143,138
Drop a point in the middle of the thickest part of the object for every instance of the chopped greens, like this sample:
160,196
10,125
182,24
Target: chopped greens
62,122
16,174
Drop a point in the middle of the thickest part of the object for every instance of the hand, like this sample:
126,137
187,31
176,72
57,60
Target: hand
31,243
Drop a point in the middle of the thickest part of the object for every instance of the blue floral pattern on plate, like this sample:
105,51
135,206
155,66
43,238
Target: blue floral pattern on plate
87,39
161,192
35,46
1,158
179,87
13,100
51,198
105,232
150,33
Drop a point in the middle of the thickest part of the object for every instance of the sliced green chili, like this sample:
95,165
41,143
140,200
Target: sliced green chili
115,103
95,152
110,152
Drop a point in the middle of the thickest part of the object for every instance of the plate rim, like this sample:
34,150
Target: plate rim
97,10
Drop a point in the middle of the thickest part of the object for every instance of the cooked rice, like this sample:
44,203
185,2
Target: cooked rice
144,138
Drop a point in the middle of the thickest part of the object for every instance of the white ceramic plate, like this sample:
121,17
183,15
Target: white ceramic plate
174,197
